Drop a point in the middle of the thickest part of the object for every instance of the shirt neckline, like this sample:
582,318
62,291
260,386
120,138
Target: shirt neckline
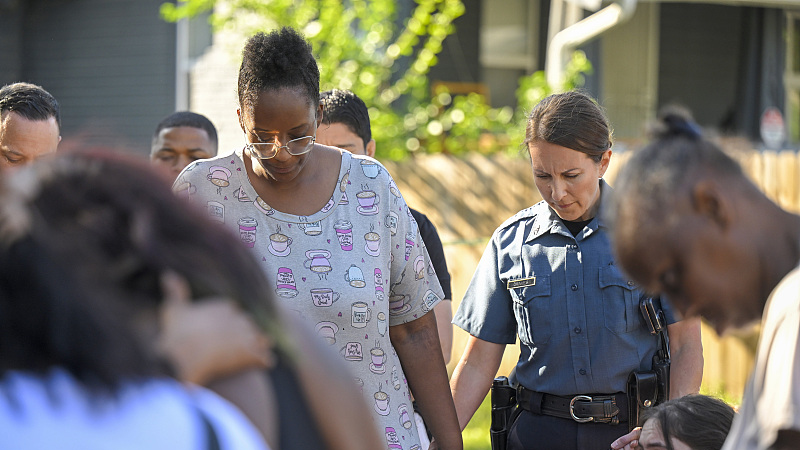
335,200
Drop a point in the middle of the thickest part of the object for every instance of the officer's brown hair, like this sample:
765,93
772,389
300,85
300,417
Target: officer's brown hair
573,120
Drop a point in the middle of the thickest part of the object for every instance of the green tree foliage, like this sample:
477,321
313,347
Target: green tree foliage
364,46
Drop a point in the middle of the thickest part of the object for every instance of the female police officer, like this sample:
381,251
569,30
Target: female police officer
548,276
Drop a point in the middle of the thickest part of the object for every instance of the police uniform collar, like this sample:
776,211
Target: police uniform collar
545,218
606,192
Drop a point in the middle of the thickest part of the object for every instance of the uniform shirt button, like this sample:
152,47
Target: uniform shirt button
582,371
631,283
578,330
574,287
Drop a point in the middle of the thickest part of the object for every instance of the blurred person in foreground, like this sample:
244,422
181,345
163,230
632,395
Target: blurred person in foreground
334,238
548,277
182,138
104,279
345,124
30,124
691,225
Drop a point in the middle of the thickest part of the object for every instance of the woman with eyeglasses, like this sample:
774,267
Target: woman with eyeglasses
335,238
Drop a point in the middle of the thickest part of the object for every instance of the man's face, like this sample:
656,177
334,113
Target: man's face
340,135
177,147
23,141
703,268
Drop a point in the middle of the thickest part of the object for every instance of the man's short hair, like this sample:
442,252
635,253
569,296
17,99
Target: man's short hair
339,106
29,101
188,119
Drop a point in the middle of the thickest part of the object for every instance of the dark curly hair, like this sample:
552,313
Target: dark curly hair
347,108
278,59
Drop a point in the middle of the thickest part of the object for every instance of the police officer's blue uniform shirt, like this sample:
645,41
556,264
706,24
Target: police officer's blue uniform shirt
576,315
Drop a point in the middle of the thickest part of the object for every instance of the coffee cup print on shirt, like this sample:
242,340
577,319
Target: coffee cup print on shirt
218,176
360,314
318,262
216,211
392,440
378,360
328,206
393,189
367,202
262,206
355,276
352,351
398,304
391,222
344,232
373,243
419,267
312,229
370,168
382,403
286,285
247,231
405,417
279,244
395,378
327,331
379,293
409,244
324,296
382,325
429,300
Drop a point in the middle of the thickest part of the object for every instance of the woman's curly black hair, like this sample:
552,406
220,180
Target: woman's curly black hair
278,59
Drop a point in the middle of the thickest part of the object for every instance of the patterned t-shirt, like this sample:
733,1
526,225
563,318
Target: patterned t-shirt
352,269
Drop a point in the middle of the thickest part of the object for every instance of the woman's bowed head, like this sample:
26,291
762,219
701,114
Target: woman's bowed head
569,141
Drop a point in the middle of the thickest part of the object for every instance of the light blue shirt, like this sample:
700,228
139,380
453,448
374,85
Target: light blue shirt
575,313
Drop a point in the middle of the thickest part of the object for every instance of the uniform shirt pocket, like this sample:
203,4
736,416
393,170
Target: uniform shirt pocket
533,310
620,308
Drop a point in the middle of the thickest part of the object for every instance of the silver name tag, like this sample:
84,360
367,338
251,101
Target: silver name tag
522,282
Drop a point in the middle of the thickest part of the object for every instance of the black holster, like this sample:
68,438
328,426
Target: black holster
647,389
504,402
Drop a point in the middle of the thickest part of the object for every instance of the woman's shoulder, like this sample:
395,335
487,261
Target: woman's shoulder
539,211
220,167
367,167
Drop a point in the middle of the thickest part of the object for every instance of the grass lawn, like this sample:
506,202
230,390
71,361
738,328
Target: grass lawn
476,435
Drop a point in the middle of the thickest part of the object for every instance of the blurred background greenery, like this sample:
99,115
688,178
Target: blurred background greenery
383,56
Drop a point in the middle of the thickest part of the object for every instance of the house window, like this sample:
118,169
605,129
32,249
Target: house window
508,46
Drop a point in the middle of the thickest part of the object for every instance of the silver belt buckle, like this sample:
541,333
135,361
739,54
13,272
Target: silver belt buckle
585,398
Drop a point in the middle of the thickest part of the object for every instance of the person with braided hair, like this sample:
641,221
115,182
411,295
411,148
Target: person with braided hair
335,238
690,224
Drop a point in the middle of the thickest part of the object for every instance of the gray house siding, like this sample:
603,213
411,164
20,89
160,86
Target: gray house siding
700,54
110,63
10,42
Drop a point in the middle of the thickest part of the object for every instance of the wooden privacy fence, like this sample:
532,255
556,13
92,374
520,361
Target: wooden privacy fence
468,197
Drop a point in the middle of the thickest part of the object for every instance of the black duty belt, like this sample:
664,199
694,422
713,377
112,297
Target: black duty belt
601,408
